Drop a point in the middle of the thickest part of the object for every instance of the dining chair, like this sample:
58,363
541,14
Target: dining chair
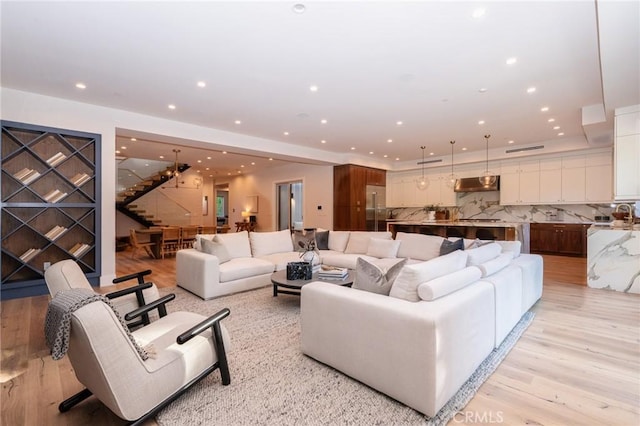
170,242
137,245
188,236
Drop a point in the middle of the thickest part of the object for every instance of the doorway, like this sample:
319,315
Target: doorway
289,205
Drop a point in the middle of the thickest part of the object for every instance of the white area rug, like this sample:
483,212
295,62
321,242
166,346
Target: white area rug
273,383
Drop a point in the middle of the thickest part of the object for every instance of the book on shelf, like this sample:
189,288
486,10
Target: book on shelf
58,197
29,254
80,179
30,177
55,232
22,173
79,249
56,159
51,194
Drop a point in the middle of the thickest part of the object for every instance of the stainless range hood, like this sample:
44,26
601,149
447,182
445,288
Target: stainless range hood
473,184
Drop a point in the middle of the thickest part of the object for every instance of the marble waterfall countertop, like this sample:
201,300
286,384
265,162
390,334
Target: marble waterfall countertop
473,223
613,258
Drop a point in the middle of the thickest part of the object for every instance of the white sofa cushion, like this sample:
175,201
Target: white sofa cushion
244,267
375,279
359,240
215,248
418,246
406,285
483,254
196,243
342,260
382,248
442,286
236,243
338,240
495,265
280,260
264,243
514,247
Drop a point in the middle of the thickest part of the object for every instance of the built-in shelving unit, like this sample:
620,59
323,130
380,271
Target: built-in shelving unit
50,204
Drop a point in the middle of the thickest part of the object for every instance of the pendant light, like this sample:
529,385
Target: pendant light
175,173
488,178
451,179
422,183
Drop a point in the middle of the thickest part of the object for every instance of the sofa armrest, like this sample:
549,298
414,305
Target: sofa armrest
197,272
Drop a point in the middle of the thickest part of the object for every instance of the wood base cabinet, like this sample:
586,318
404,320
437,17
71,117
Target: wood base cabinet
568,239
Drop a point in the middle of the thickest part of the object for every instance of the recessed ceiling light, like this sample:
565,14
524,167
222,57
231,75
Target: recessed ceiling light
210,175
323,141
238,122
270,159
399,123
117,151
556,127
551,120
385,156
242,166
389,140
531,90
208,158
202,84
464,149
133,139
224,152
544,109
286,133
482,89
207,168
397,158
299,8
313,88
146,164
561,134
123,147
199,161
510,142
512,60
431,153
481,122
478,13
162,156
370,152
171,106
323,121
81,86
253,163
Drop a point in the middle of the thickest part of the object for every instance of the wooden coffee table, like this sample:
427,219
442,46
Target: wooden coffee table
281,285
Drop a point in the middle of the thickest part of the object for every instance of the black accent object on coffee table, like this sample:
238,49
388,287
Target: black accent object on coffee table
281,285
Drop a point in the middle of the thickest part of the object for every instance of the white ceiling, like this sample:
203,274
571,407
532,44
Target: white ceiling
374,63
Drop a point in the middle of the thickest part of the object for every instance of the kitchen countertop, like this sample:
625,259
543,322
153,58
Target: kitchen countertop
460,223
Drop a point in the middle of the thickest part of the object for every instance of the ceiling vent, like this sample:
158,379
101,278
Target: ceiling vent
531,148
429,161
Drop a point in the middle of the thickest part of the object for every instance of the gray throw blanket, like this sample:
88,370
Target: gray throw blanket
57,325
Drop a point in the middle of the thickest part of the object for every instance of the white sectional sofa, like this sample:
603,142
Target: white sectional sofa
253,257
441,319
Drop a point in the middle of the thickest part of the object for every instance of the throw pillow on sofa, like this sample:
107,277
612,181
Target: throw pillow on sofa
322,240
338,240
418,246
449,246
359,241
442,286
372,278
304,240
411,276
483,254
196,243
383,249
216,248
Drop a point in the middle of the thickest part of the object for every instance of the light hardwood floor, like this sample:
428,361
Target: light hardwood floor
577,364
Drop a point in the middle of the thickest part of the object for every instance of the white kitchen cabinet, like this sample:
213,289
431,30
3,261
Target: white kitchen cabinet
627,154
520,183
550,178
573,179
599,178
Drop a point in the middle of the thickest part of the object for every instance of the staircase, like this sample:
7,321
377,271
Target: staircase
126,197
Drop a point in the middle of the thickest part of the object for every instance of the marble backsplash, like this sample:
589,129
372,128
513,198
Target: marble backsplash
486,205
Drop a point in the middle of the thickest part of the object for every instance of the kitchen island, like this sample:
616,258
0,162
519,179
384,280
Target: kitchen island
613,258
484,230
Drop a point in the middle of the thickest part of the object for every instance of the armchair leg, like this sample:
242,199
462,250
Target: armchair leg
222,355
75,399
